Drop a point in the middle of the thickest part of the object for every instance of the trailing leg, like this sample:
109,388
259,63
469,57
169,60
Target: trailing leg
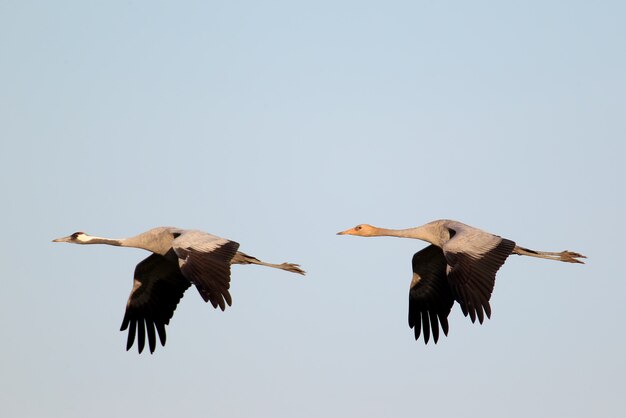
565,256
242,258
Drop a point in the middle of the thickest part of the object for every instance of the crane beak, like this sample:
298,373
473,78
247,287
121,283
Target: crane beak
347,232
64,239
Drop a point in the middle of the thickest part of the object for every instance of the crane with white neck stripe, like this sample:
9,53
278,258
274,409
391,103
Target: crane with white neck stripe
181,257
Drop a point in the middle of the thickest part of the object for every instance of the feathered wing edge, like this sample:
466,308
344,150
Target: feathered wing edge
209,271
158,287
472,278
430,296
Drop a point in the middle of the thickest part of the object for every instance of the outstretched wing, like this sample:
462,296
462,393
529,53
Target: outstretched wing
430,297
157,289
473,258
204,260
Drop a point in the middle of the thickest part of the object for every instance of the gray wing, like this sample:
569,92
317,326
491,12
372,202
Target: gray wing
158,287
204,260
430,297
473,258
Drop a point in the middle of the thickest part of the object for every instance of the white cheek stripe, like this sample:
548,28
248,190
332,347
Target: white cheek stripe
83,238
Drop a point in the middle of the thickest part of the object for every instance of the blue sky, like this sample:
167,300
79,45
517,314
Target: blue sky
277,124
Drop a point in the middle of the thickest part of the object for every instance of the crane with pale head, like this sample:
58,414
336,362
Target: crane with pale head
460,265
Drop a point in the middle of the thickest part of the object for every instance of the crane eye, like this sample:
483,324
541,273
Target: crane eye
357,228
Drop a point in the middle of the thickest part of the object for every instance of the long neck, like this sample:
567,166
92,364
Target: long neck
420,233
100,240
149,241
139,241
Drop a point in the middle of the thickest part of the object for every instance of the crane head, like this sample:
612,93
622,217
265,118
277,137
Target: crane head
76,237
362,230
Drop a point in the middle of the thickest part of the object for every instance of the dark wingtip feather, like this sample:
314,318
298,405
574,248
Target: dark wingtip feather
151,335
434,328
472,313
160,327
425,327
141,335
417,329
444,324
479,312
131,334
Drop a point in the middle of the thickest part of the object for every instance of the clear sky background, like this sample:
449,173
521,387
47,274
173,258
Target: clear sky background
277,124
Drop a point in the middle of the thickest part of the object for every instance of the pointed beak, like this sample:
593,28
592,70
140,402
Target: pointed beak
64,239
346,232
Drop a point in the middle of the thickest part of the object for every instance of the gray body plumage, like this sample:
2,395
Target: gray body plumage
179,258
460,265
